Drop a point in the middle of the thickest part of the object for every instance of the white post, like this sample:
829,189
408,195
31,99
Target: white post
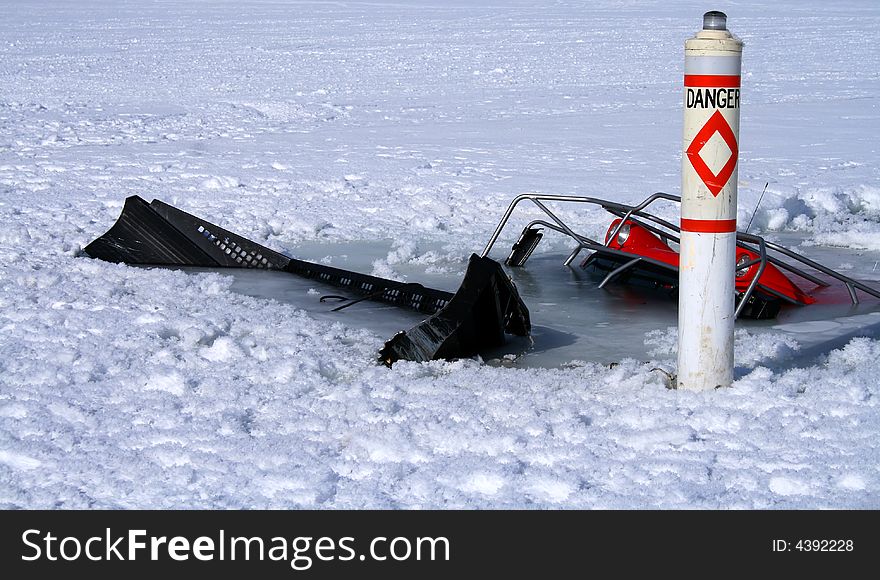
712,65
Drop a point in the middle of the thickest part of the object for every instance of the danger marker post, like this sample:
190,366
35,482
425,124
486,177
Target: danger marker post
712,66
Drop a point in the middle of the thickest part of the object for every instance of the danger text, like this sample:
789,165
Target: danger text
712,98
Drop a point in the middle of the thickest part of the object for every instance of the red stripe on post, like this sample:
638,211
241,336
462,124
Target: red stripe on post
723,81
708,226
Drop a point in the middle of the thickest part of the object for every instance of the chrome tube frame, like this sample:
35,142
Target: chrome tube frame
631,212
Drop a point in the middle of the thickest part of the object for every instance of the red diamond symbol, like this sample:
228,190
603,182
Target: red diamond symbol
715,124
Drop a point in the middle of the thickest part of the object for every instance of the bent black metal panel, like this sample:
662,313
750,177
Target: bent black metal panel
226,248
142,236
485,307
405,294
475,318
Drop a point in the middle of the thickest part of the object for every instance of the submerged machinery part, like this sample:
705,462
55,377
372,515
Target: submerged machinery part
475,318
637,248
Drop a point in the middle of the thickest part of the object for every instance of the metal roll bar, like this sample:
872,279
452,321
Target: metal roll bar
754,243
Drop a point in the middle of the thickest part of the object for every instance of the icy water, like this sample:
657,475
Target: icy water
572,319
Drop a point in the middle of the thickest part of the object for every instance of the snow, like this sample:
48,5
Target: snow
417,122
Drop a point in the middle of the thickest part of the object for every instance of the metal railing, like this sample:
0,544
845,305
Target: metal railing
669,232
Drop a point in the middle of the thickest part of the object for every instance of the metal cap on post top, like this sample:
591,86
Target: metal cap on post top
714,20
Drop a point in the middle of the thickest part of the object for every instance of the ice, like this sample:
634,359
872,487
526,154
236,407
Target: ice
789,486
549,489
171,382
852,481
223,349
483,483
18,461
410,126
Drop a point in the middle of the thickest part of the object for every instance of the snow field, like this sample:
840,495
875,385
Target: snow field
294,122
